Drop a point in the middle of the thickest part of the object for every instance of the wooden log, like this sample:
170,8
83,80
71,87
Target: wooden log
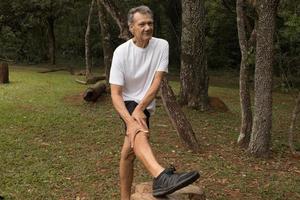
4,74
92,80
80,73
93,92
143,191
6,60
95,79
53,70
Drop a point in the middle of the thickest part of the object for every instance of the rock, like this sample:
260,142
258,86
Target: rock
217,104
143,191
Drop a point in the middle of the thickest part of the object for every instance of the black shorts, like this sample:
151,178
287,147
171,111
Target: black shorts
130,105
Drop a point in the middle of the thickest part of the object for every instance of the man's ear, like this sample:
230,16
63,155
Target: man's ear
131,28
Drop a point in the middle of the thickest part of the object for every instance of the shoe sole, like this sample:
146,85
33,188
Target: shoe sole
180,185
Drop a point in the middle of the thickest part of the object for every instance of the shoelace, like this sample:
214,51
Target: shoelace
171,169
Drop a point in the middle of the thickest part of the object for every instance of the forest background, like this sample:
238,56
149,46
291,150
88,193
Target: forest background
24,35
52,33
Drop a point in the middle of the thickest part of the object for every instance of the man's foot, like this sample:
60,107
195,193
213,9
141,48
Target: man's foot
168,181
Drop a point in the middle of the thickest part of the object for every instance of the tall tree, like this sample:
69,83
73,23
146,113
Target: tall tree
173,10
119,18
50,11
180,122
246,47
22,31
260,140
296,112
193,74
105,38
88,65
51,39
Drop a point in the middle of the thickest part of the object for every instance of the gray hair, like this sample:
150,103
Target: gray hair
140,9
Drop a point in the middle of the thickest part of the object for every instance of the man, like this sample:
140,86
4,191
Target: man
137,69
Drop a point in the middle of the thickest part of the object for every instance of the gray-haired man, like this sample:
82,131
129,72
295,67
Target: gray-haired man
137,69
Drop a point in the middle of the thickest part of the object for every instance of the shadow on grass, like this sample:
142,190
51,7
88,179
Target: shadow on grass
1,198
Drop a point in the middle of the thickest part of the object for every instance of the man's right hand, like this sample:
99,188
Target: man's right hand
133,128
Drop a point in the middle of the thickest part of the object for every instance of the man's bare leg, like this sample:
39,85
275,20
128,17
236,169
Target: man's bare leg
126,169
143,151
167,183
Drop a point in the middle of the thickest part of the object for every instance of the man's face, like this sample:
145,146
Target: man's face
142,27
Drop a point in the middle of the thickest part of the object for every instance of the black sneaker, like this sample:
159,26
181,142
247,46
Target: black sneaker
168,182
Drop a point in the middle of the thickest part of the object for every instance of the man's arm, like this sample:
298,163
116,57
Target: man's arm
132,126
118,102
138,113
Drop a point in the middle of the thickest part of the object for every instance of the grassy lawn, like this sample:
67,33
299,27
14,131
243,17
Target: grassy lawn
53,145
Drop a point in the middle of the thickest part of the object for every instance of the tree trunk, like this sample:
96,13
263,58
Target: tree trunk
193,74
179,120
51,39
174,14
245,97
260,140
88,65
291,132
4,73
119,17
106,39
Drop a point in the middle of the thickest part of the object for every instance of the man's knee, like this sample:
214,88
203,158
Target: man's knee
128,156
142,134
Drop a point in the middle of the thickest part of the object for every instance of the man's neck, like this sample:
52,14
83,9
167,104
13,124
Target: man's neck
141,44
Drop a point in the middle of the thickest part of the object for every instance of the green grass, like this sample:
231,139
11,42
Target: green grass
53,145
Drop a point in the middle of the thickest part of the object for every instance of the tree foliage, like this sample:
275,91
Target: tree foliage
24,27
288,42
23,31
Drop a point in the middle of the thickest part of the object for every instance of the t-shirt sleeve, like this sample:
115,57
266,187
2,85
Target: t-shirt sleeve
116,76
164,62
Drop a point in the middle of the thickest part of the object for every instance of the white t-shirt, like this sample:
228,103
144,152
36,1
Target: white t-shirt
134,68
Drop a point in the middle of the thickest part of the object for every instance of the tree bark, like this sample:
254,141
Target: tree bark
106,39
174,13
4,73
260,140
119,18
88,65
296,111
193,74
51,39
178,119
170,103
245,97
